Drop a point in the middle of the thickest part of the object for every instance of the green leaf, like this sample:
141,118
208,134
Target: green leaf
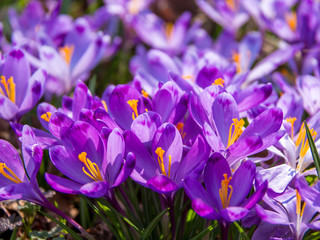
203,233
152,225
241,231
14,234
314,151
313,236
69,230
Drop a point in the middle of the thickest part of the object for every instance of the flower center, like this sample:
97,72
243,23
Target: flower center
93,169
180,127
66,52
8,173
104,105
224,193
9,88
160,152
236,59
144,93
235,131
303,141
134,6
169,28
291,19
133,103
46,116
291,121
218,82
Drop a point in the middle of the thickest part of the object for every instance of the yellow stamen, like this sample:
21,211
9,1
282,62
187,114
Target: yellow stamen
236,59
94,171
160,152
133,103
223,191
169,28
218,82
9,87
144,93
291,121
302,140
237,131
134,6
104,105
66,52
299,211
46,116
231,4
291,19
10,175
180,127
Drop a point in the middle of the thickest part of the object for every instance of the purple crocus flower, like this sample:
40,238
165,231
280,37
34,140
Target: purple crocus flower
19,90
229,14
93,164
163,166
224,196
18,180
291,217
216,112
81,51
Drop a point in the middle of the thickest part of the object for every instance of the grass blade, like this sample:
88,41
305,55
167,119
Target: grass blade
314,151
69,230
203,233
152,225
14,234
241,231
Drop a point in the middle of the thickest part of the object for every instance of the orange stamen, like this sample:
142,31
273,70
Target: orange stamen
8,173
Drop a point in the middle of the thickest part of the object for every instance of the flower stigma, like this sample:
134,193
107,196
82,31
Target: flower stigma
8,173
291,19
66,52
9,87
169,28
218,82
133,103
223,191
104,105
180,127
46,116
94,171
237,131
291,121
160,152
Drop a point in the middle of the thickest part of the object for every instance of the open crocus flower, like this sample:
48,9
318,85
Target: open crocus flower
18,180
94,165
19,90
217,113
164,169
291,214
225,196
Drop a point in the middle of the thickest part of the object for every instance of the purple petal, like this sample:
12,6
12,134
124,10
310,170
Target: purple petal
80,97
126,169
216,167
244,147
101,115
308,194
241,182
43,108
204,210
95,189
197,155
169,139
115,154
162,184
62,184
8,110
278,177
265,123
271,217
232,214
16,60
257,196
145,165
58,123
146,125
224,109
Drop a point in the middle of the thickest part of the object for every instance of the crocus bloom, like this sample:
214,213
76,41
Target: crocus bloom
94,164
225,196
164,169
289,213
217,114
18,180
19,90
